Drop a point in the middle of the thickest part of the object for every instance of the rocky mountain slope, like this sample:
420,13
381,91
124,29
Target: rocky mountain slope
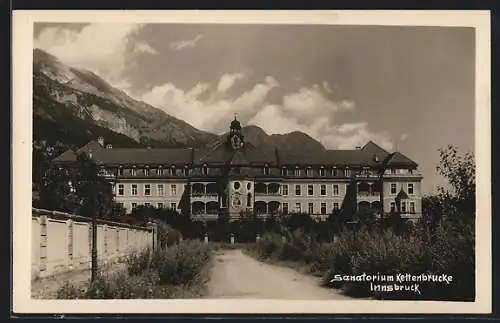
73,106
77,105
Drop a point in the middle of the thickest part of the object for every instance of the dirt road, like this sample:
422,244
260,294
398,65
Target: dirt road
236,275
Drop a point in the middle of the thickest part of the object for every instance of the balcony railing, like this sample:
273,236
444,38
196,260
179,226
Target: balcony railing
365,193
204,195
268,194
367,176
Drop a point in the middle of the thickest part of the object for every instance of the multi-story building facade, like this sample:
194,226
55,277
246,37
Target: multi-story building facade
234,177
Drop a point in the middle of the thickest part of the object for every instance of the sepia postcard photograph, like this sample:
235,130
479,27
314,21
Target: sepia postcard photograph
251,162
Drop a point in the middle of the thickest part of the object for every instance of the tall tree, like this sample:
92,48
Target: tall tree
460,172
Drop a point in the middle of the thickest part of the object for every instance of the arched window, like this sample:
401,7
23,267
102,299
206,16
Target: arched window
204,170
283,171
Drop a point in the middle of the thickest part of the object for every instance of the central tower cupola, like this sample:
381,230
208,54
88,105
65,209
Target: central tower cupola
235,138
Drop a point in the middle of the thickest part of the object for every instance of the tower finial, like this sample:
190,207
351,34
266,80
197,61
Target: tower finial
235,116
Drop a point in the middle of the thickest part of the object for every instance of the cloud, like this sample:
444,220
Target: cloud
144,48
306,109
228,80
210,114
182,44
326,86
403,137
105,49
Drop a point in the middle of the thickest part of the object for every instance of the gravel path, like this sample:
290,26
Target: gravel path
236,275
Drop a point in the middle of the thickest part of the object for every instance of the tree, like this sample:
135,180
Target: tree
94,192
460,172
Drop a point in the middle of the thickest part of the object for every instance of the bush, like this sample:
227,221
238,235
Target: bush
138,262
157,277
182,264
173,237
269,245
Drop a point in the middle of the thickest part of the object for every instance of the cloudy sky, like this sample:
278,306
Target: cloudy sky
405,88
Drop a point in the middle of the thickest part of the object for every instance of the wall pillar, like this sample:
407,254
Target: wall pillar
43,245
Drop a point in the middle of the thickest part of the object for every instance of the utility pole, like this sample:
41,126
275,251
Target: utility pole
94,242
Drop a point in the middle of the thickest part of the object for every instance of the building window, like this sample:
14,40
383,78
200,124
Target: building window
403,207
266,170
335,206
309,172
393,188
297,171
410,188
120,171
393,207
160,205
160,190
147,189
186,171
134,205
173,206
347,172
322,172
323,208
285,208
285,190
335,189
172,170
204,170
412,207
298,208
121,189
249,200
311,208
146,172
335,172
323,190
310,190
159,172
120,204
283,171
134,189
297,190
173,189
133,172
147,204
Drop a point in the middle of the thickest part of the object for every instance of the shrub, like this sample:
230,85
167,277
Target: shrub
182,264
269,245
173,237
138,262
144,278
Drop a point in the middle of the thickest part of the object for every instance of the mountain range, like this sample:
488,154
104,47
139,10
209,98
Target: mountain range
73,106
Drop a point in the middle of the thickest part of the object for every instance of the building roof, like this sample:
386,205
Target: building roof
398,159
143,156
222,153
370,155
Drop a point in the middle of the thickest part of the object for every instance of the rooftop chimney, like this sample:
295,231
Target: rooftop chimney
358,147
100,140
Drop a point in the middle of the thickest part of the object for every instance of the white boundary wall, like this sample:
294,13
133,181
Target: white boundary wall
62,242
